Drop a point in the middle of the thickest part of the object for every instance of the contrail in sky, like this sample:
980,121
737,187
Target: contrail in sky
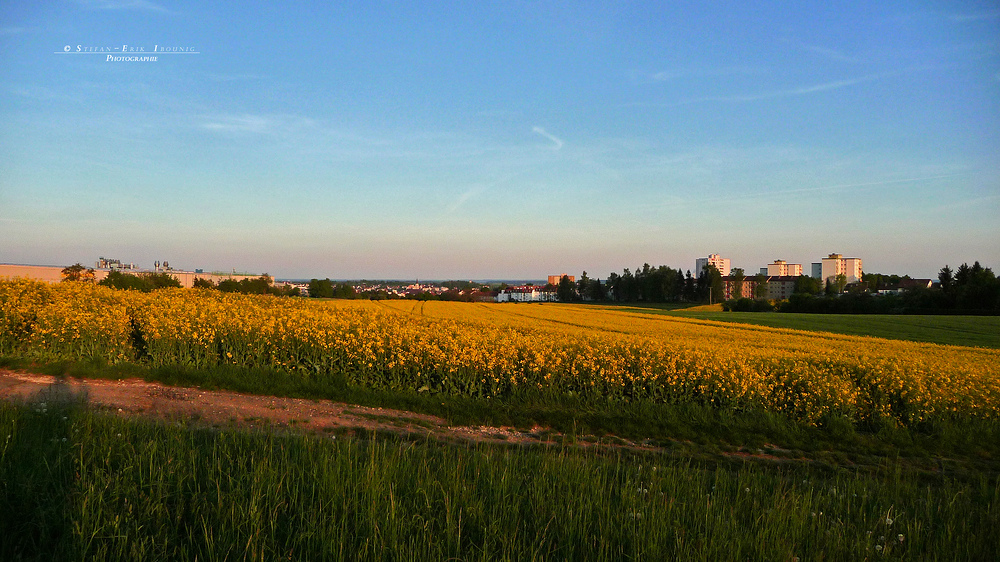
866,184
558,142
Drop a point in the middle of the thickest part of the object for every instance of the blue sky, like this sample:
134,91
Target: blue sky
500,140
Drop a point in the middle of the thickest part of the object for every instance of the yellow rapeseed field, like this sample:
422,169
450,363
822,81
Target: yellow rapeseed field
500,350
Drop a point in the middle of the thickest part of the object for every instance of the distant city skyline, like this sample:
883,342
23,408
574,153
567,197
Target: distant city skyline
499,140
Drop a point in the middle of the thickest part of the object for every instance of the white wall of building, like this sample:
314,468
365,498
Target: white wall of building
836,264
720,263
781,268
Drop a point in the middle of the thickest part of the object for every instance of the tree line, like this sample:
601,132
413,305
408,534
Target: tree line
465,291
969,289
149,281
263,285
143,282
662,284
326,289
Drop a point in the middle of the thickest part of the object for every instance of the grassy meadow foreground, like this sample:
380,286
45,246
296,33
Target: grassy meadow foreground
877,448
81,485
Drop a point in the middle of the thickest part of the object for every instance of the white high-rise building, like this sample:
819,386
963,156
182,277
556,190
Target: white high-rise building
781,268
720,263
836,264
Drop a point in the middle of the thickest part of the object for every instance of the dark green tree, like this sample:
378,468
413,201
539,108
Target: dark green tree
736,280
144,282
690,287
612,286
78,272
125,281
200,283
627,290
840,281
710,287
677,294
321,288
583,286
566,291
162,280
976,288
344,291
947,279
806,285
596,290
760,286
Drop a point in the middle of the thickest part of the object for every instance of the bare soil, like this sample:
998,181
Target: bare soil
222,408
218,408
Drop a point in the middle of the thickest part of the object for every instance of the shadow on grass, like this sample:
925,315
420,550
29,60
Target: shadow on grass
37,475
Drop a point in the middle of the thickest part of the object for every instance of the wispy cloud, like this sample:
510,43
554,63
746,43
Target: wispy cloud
557,142
975,202
237,124
773,94
801,91
145,5
862,185
258,124
677,73
828,53
476,190
461,199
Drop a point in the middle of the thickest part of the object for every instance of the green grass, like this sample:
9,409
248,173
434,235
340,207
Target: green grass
75,484
688,428
971,331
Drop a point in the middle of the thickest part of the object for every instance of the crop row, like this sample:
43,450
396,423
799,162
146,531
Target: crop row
501,351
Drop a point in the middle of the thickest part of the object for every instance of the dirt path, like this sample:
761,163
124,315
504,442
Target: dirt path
223,408
134,397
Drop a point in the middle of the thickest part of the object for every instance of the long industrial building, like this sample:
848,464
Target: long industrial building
53,274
